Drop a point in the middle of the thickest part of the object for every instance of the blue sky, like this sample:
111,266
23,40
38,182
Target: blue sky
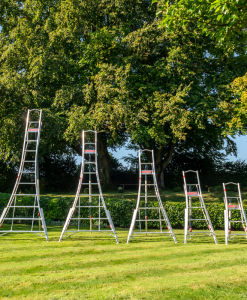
240,140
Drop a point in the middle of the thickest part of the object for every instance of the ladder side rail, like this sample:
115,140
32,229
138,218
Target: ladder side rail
242,212
5,211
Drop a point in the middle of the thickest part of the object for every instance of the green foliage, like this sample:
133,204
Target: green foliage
120,190
210,189
222,19
177,189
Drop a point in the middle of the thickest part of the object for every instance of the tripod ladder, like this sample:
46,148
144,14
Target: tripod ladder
94,212
144,213
230,206
25,207
194,190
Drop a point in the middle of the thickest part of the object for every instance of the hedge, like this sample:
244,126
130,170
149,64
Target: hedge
56,210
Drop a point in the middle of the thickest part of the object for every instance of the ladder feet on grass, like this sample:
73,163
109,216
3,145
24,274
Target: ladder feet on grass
143,214
233,204
192,190
26,207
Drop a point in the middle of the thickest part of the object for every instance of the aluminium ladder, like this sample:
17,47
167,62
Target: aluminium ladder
194,190
143,214
95,210
25,207
229,207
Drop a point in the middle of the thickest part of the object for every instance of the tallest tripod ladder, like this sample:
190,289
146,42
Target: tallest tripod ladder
88,215
191,191
25,207
146,214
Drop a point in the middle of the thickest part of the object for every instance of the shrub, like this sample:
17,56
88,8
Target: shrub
244,188
120,189
177,189
210,189
86,191
219,188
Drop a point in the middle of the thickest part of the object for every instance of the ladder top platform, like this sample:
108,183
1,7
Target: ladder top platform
147,172
33,129
192,193
233,206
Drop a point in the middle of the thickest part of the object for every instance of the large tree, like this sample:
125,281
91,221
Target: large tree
163,87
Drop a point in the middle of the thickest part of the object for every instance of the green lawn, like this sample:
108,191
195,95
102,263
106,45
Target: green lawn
85,266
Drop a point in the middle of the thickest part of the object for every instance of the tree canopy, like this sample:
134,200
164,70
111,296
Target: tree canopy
108,65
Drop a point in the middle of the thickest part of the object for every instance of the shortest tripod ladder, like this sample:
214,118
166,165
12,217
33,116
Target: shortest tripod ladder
144,213
194,190
24,204
233,204
89,209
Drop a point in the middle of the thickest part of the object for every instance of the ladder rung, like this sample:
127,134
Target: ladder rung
150,196
33,130
143,184
90,183
30,140
28,172
194,184
197,219
146,163
89,195
30,150
90,162
149,208
89,206
24,194
23,206
89,173
196,207
236,221
33,122
29,161
27,183
21,218
162,220
89,143
88,219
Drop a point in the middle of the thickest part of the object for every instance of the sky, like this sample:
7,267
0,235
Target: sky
240,140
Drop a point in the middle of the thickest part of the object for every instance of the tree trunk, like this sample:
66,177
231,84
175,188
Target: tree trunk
104,160
162,159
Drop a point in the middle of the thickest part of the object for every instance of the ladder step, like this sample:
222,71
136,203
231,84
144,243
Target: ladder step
89,195
234,206
89,143
89,151
146,163
236,221
90,162
27,183
33,130
31,141
33,122
24,194
23,206
33,161
193,194
89,173
28,172
197,219
147,172
148,184
149,208
150,196
88,206
90,183
30,150
21,219
201,207
88,219
162,220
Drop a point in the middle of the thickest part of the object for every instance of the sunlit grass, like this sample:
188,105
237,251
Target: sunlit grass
93,266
